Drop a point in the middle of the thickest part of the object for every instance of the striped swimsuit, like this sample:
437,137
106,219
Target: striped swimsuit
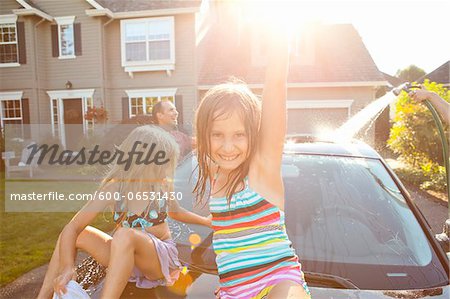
252,247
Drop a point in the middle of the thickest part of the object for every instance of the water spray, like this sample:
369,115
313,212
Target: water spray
408,87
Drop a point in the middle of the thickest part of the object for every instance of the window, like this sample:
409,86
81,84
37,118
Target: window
66,37
9,49
148,44
11,108
142,101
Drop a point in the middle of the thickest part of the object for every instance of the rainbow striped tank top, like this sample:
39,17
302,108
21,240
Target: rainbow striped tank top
252,247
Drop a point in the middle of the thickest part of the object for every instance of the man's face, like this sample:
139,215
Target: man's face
168,115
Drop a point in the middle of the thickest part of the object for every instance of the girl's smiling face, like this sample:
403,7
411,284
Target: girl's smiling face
229,142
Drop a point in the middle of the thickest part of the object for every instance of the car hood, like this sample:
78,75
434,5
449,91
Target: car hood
204,286
440,292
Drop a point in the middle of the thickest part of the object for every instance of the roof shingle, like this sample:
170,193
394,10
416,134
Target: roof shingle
439,75
339,56
139,5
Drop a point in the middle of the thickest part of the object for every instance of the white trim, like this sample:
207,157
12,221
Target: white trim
67,20
67,57
60,96
7,19
94,4
10,24
10,64
142,93
313,84
30,12
139,14
146,93
71,94
61,21
24,4
99,13
317,104
321,104
155,12
148,65
11,95
148,68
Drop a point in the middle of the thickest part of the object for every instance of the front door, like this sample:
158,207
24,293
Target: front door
73,122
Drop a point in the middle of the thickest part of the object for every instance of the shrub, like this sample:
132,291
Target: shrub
415,138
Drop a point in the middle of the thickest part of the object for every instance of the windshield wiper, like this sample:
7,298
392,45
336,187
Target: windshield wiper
328,280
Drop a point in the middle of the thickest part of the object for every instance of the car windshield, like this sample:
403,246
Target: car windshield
347,217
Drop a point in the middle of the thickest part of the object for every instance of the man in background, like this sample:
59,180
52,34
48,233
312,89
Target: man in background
165,115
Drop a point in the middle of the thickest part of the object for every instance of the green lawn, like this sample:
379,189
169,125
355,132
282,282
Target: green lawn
27,239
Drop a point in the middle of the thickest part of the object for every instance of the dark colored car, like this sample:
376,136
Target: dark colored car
353,225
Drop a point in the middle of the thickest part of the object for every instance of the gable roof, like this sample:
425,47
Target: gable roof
339,56
30,8
439,75
392,80
140,5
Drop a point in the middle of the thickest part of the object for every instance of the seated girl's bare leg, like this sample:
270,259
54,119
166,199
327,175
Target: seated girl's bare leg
129,247
93,241
288,289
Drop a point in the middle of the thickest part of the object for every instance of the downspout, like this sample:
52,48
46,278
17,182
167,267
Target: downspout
104,62
36,71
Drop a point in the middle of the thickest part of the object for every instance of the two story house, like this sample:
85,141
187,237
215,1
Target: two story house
58,58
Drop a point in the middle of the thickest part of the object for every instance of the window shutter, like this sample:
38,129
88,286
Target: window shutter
26,117
179,106
77,38
21,42
125,108
55,44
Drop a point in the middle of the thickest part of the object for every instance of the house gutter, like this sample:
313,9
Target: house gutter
312,84
30,12
137,14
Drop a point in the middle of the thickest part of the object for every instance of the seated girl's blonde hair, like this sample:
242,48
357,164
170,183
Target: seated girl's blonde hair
141,177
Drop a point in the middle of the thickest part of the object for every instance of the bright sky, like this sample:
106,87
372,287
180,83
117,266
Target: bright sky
397,33
400,33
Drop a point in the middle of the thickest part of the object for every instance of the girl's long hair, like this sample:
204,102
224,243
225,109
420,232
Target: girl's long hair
142,177
221,102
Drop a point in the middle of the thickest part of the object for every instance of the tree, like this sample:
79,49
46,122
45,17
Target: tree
410,73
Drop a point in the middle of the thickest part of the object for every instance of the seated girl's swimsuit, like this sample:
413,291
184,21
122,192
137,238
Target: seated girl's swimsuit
252,247
154,214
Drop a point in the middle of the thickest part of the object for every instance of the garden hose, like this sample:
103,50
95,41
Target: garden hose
407,88
440,128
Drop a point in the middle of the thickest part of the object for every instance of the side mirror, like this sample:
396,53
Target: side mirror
443,239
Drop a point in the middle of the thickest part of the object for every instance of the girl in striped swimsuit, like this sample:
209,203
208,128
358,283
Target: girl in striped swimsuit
239,151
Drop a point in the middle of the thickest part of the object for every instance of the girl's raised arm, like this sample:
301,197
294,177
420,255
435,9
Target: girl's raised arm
273,118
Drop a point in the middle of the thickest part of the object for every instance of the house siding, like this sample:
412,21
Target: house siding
316,120
183,77
84,71
20,77
312,120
